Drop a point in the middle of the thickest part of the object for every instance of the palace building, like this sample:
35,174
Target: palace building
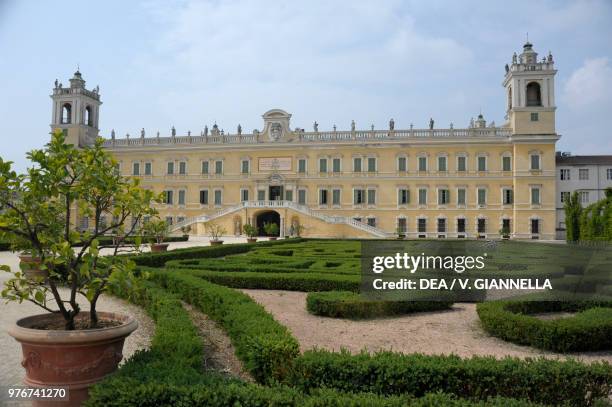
435,183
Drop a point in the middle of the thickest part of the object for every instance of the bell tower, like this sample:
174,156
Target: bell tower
530,93
76,111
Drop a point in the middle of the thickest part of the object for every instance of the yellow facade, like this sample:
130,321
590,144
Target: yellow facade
362,183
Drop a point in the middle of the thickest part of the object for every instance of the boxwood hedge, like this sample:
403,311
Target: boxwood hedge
539,380
347,304
589,329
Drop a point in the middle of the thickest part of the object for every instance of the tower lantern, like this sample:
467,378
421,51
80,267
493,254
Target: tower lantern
76,111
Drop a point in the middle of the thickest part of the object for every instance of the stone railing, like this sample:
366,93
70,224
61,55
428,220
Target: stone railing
281,204
323,136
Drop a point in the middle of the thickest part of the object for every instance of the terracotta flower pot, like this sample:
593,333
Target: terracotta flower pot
73,359
216,242
159,247
251,239
31,268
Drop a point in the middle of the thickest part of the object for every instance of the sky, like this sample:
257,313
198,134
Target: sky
189,63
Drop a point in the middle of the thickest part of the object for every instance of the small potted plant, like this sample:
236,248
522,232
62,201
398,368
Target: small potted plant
400,233
271,230
186,229
157,231
505,232
251,232
69,346
215,231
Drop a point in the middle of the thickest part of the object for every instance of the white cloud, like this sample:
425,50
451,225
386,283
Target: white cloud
589,85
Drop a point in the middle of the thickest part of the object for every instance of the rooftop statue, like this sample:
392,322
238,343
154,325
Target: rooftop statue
391,124
352,125
315,126
173,131
206,131
239,129
113,134
431,123
142,133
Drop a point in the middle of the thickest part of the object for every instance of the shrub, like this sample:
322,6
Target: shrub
589,330
538,380
265,346
346,304
297,281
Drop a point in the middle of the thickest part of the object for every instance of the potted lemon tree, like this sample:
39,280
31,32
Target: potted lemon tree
251,232
271,230
72,344
157,231
215,231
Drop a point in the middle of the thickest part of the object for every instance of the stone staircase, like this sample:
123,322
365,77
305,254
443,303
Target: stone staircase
374,231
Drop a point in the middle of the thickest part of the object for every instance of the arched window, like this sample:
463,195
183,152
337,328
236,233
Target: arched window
534,96
66,113
88,116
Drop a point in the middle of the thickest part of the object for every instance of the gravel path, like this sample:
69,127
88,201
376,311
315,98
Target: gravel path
455,331
219,353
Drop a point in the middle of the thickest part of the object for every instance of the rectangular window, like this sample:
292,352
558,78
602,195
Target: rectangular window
170,168
302,197
460,225
323,197
168,198
356,164
535,226
204,197
422,163
289,195
181,197
422,225
565,196
244,195
84,224
336,165
336,197
442,164
583,174
359,196
218,167
371,222
584,197
302,166
205,167
218,199
136,169
401,164
323,165
535,162
402,225
244,168
442,225
609,173
403,197
148,169
482,225
443,196
564,174
461,163
506,163
168,220
535,196
482,163
261,195
371,197
422,196
182,168
371,164
508,196
180,219
535,117
461,196
482,196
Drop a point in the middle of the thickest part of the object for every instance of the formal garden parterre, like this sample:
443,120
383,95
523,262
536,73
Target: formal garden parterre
207,278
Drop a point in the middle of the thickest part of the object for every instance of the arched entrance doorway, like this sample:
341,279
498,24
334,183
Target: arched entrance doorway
267,217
